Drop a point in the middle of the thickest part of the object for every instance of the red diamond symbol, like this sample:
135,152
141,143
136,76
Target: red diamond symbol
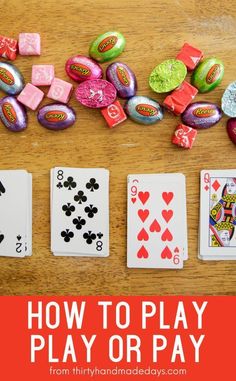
216,185
206,187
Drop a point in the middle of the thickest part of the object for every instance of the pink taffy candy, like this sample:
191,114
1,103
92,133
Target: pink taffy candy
29,44
31,96
42,75
60,90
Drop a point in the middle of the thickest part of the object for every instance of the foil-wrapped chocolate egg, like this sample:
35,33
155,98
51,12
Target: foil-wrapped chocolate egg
81,68
143,110
228,101
123,78
231,129
201,115
107,46
13,114
11,80
208,74
96,93
56,116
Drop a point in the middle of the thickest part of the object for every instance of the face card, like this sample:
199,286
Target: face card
80,212
13,212
218,214
157,224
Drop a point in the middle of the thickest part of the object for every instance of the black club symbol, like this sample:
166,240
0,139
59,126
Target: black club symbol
79,222
92,185
59,185
99,235
67,235
89,237
69,183
80,197
68,209
91,210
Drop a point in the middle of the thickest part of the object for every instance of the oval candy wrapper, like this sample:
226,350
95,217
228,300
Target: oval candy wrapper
123,78
143,110
13,114
81,68
167,76
201,115
96,93
56,116
107,46
11,79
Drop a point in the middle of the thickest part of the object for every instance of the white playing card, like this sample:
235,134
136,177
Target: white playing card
13,212
28,251
217,235
80,211
157,224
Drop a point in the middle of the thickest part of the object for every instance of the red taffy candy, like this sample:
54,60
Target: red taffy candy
190,56
184,136
114,114
180,98
8,48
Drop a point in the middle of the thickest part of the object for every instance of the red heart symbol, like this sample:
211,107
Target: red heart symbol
167,236
133,199
143,214
167,215
167,197
176,250
142,253
143,235
155,226
143,196
166,253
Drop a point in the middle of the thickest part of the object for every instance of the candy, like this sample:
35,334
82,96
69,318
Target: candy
13,114
81,68
122,77
29,44
96,93
31,96
184,136
228,101
114,114
56,116
190,56
60,90
208,75
143,110
8,48
42,75
107,46
11,80
167,76
231,129
201,115
180,98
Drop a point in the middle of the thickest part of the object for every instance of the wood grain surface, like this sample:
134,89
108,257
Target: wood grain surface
155,31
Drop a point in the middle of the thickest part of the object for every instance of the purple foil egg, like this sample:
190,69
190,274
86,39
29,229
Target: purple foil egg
96,93
13,114
56,116
201,115
231,129
81,68
122,77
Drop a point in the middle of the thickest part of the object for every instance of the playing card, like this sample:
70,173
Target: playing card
14,213
157,223
217,236
80,211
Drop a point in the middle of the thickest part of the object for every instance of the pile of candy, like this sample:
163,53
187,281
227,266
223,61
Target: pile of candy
95,92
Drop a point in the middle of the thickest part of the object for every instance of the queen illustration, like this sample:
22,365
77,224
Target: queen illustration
223,216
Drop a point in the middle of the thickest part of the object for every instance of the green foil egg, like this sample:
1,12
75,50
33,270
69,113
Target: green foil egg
167,76
107,46
208,75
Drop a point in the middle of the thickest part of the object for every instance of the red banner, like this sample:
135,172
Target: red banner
118,338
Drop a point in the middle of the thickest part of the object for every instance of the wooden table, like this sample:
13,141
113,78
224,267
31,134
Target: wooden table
155,31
